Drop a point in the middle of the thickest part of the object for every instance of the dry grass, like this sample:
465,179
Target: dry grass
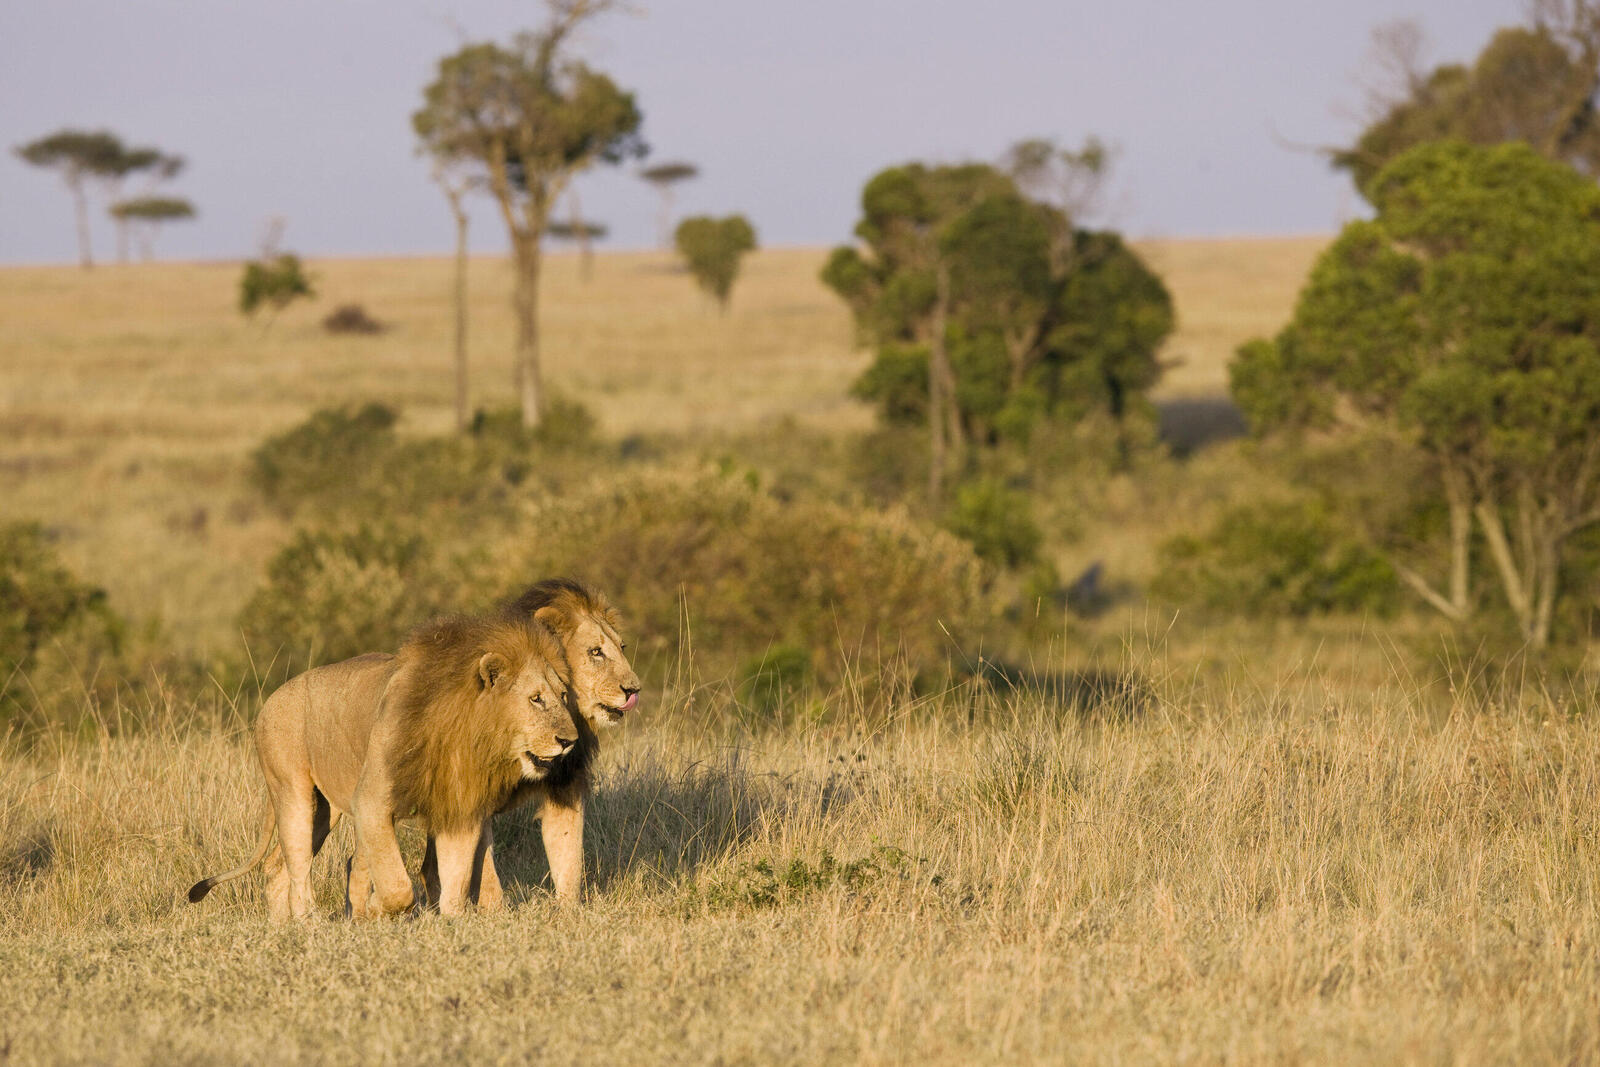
1299,852
1275,879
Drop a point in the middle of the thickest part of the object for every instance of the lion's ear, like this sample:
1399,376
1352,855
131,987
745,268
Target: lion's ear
490,667
554,618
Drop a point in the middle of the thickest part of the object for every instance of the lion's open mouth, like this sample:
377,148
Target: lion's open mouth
540,763
615,712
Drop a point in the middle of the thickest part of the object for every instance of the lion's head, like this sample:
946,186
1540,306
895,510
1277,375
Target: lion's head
482,707
604,685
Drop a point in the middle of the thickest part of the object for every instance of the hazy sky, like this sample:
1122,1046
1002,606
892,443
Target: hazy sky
301,108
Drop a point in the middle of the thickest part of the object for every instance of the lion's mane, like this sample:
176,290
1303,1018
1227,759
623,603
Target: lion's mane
454,765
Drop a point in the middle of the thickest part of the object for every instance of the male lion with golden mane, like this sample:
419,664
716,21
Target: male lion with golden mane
604,689
450,730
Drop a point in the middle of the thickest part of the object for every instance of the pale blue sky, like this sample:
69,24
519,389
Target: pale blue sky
301,108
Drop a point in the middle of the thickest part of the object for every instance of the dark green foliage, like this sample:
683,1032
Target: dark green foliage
276,283
765,884
41,601
1536,84
997,521
1276,559
1042,320
332,594
712,249
323,457
1465,317
897,382
767,680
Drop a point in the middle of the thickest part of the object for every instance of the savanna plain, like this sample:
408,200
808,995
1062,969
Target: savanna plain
1194,840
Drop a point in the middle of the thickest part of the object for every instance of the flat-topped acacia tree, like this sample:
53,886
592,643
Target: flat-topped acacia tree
664,176
77,155
527,119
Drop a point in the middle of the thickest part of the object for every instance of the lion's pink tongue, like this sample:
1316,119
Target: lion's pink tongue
633,698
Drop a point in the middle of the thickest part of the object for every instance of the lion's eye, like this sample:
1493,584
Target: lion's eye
596,651
537,698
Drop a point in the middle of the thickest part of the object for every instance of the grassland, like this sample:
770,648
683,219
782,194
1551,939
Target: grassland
130,397
1298,849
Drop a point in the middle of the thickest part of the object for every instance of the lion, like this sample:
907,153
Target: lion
449,729
604,689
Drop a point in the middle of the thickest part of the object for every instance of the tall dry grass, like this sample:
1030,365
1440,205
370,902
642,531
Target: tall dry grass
1263,874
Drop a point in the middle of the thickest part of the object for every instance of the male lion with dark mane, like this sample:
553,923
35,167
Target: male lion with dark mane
604,689
449,730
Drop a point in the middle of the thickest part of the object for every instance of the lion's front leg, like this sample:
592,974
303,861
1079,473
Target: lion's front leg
561,825
378,850
458,851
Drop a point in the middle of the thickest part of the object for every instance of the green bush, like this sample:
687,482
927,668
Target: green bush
997,521
767,680
332,594
1271,559
741,573
42,603
323,458
275,282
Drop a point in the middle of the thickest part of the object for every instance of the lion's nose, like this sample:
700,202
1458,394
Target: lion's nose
566,744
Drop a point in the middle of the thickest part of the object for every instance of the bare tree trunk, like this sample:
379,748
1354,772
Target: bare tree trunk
80,204
937,358
1511,577
463,415
1458,499
664,224
580,233
526,303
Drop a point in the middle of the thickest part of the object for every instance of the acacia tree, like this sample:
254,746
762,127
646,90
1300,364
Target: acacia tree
146,214
1538,83
1465,318
77,155
664,176
576,228
712,249
990,310
526,119
147,207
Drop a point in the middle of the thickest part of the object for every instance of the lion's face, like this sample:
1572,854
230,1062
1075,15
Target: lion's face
533,705
604,684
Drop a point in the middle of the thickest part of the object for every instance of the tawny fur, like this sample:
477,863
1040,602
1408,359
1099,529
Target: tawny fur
453,765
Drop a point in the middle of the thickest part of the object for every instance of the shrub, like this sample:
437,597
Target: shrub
322,457
1277,559
330,595
276,282
351,318
765,681
744,573
41,601
997,521
712,249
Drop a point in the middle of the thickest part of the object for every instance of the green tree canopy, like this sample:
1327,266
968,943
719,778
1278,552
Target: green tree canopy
77,154
1465,316
1539,84
525,119
712,249
989,310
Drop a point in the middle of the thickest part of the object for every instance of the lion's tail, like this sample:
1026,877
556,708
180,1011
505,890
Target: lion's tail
198,891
